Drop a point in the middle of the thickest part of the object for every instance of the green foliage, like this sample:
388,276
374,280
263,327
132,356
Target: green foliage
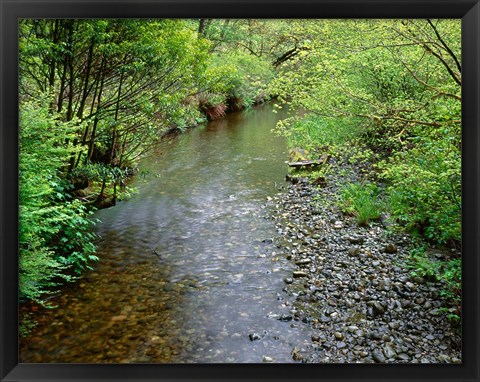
363,156
238,75
393,85
425,186
312,131
448,272
361,200
54,234
130,80
71,239
312,175
402,81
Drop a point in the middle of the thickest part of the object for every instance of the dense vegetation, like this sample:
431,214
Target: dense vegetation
387,94
97,94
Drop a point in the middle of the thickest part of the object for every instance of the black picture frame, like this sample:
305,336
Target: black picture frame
12,10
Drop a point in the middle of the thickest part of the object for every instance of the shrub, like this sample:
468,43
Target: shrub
424,187
361,200
54,231
235,77
311,131
448,272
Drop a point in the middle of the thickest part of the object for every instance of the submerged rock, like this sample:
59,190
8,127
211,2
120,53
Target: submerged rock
254,336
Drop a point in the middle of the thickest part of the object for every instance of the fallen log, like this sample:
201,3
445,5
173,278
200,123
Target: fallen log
309,163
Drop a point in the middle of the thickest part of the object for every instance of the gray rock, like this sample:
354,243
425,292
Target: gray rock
296,354
403,357
359,333
303,261
389,352
394,325
443,358
410,286
377,356
354,251
356,239
419,280
377,307
298,274
338,224
254,336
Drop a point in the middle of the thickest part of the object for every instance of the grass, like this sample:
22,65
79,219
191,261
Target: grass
362,200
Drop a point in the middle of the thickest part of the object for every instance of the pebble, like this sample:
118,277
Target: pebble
351,290
354,251
403,357
303,261
296,354
443,358
356,239
377,356
298,274
394,325
389,352
285,317
379,309
254,337
338,224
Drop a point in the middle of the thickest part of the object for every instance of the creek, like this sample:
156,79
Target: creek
187,270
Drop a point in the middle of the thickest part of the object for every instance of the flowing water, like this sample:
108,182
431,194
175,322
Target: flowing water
187,270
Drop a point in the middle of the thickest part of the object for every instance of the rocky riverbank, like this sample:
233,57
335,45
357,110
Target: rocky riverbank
352,284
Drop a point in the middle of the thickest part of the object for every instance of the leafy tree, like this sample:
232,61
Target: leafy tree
398,82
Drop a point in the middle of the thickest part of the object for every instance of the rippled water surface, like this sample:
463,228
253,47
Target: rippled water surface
187,273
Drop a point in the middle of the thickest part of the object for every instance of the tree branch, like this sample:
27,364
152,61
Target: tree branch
459,67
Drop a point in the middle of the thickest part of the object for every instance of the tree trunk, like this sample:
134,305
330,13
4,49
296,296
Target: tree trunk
71,79
115,126
95,122
201,27
53,61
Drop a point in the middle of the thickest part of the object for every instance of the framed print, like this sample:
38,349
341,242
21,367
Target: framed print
237,190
